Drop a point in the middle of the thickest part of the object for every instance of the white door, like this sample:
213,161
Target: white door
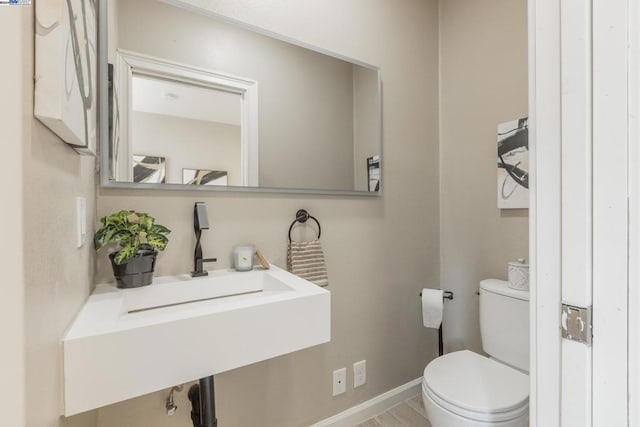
580,105
634,213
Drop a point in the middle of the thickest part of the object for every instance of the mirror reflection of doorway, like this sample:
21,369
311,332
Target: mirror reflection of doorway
193,127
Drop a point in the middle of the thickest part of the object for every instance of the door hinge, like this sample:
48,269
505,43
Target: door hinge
577,323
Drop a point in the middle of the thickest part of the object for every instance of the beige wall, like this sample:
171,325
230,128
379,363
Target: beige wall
380,251
13,83
57,276
483,71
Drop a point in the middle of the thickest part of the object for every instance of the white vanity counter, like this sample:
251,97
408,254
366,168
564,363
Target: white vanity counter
129,342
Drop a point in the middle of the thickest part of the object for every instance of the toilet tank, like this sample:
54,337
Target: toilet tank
504,323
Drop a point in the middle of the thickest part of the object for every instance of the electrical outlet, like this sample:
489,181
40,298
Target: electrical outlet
359,373
339,381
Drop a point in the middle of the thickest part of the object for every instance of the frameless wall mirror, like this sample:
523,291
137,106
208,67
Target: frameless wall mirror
198,102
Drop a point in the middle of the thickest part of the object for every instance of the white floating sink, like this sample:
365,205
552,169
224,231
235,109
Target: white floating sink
129,342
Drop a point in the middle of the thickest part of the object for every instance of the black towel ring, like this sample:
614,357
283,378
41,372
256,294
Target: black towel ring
302,216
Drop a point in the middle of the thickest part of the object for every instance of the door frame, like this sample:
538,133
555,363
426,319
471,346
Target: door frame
583,86
544,211
634,213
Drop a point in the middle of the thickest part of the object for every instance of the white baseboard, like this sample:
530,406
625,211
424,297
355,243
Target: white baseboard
362,412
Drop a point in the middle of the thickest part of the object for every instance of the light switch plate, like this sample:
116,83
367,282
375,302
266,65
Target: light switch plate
81,221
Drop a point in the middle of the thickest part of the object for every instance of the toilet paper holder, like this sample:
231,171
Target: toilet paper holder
445,295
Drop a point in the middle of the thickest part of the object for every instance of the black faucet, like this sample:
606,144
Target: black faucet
200,222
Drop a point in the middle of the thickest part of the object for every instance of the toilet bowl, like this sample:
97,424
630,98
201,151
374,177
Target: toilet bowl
465,389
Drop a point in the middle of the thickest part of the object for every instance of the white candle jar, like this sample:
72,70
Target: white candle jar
243,257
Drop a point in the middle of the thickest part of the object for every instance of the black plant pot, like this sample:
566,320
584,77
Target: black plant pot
136,272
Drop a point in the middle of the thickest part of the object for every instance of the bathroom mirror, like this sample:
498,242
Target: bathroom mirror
194,101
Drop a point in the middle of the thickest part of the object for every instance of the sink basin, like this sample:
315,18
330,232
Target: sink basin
169,291
129,342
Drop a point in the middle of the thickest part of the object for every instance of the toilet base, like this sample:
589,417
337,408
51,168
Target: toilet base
440,417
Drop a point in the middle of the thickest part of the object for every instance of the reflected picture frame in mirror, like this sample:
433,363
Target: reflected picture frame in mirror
114,117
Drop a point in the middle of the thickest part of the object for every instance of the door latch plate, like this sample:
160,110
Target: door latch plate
576,323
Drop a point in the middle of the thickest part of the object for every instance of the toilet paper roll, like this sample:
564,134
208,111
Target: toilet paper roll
432,306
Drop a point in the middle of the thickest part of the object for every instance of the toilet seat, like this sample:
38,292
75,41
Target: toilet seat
476,387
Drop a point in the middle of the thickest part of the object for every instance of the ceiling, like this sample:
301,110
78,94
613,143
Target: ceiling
159,96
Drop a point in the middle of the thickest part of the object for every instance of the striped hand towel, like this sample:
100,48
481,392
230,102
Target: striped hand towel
306,260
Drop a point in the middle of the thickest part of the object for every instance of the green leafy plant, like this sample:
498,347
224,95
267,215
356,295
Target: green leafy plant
133,232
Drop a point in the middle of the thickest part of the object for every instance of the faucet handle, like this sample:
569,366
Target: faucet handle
210,260
200,220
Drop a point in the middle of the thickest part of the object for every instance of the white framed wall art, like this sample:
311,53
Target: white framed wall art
66,70
513,164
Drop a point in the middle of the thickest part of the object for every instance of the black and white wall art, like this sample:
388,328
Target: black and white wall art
513,164
203,177
149,169
66,70
373,173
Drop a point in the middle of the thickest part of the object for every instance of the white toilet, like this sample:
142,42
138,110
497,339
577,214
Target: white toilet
465,389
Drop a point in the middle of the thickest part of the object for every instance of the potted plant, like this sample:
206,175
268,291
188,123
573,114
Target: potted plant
139,239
